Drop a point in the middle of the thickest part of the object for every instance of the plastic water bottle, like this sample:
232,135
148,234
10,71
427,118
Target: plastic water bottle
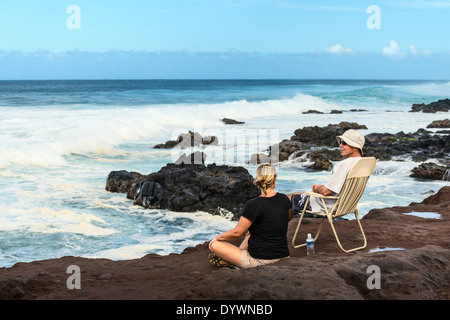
309,244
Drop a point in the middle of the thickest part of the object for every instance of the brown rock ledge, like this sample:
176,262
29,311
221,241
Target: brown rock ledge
420,271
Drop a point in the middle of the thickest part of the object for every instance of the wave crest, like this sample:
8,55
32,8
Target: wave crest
44,137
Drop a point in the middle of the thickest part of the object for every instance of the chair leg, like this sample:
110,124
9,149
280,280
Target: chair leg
337,238
298,227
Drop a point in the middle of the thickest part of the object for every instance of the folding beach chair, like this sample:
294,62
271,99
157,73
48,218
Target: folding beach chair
347,200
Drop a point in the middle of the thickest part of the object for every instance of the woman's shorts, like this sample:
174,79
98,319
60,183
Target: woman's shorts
249,262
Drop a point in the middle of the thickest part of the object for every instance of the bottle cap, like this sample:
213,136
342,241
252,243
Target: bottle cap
309,235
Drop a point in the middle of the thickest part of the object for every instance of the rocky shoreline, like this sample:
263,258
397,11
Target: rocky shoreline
318,144
183,187
189,185
411,252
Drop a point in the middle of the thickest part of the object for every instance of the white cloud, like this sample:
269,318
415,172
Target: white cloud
338,49
393,49
413,50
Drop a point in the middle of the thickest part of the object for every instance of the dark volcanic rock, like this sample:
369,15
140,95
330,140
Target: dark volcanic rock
310,137
193,187
433,107
322,158
312,112
121,181
306,138
440,124
414,274
325,154
418,270
286,148
326,136
194,158
324,165
231,121
188,140
358,110
420,145
258,158
431,170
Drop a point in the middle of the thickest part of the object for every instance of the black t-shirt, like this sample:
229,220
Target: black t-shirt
270,218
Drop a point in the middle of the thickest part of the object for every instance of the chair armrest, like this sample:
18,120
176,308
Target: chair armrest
318,195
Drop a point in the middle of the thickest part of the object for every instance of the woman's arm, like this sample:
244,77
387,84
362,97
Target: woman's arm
234,233
291,214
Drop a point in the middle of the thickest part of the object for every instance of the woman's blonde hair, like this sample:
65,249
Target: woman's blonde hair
265,177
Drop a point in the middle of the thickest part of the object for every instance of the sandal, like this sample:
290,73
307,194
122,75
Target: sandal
219,262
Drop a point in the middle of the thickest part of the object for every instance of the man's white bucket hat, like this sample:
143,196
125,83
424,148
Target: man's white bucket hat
353,138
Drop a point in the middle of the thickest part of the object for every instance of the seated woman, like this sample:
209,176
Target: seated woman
266,218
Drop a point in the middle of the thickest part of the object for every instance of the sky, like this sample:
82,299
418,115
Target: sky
136,39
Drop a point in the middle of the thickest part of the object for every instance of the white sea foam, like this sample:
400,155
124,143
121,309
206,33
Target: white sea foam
133,251
48,220
44,137
54,161
182,236
83,228
429,89
393,168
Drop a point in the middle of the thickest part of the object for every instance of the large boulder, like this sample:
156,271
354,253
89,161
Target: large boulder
325,136
192,187
287,148
304,140
420,145
430,170
433,107
121,181
231,121
440,124
188,140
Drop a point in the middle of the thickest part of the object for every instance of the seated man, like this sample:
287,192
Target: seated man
351,144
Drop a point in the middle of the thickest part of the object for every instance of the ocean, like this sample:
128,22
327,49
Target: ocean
59,140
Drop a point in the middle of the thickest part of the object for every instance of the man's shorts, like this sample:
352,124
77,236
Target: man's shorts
298,203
